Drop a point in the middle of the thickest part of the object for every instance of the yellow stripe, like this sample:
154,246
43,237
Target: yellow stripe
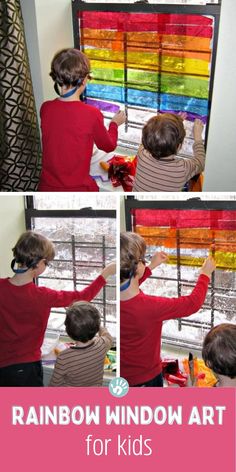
147,61
223,261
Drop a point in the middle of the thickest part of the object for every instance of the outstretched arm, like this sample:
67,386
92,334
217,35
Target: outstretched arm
106,336
109,270
157,259
171,308
195,165
107,139
64,298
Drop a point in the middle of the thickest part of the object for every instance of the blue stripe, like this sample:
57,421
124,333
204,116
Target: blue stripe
148,99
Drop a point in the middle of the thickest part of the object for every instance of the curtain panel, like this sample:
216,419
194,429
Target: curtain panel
20,148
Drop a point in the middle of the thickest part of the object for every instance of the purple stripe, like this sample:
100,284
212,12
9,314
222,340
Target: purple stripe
190,116
111,107
104,106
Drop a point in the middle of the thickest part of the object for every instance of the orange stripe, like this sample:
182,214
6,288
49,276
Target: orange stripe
117,45
190,238
137,39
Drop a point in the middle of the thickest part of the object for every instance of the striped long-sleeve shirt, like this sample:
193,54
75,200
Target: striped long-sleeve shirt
82,366
168,174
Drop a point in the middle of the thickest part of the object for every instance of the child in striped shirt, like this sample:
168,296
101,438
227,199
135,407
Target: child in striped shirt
159,169
82,364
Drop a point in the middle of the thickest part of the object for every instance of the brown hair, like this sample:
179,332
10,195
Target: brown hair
82,321
31,247
163,134
132,249
219,350
68,66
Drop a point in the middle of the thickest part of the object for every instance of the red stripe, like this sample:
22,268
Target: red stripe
146,18
213,219
187,25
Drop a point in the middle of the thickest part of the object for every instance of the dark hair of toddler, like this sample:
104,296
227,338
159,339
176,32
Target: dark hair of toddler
82,321
163,135
219,350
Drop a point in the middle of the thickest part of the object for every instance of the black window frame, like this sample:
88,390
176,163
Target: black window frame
212,9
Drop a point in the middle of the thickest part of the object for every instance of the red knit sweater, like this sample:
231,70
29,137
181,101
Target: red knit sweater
141,320
69,131
24,313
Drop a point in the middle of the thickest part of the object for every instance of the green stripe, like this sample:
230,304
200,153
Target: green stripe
146,80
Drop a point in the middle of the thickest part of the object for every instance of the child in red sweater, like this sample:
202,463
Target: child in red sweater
141,315
25,309
70,128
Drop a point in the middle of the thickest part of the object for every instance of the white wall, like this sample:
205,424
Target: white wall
31,33
220,173
13,224
48,26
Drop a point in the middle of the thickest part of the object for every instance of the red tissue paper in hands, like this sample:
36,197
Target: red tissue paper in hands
172,373
122,171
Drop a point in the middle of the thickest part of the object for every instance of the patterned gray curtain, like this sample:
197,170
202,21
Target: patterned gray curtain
20,150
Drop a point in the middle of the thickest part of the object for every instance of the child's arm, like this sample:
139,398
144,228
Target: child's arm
171,308
195,165
109,270
208,266
106,336
157,259
63,298
119,118
107,139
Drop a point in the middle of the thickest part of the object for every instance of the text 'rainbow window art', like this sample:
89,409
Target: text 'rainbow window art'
148,63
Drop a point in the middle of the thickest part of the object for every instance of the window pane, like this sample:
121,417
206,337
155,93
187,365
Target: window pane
188,237
83,247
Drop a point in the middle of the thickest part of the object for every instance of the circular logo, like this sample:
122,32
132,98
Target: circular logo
118,387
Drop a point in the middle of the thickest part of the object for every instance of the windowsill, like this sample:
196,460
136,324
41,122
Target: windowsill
96,170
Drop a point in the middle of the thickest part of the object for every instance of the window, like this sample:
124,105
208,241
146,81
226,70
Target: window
85,241
148,59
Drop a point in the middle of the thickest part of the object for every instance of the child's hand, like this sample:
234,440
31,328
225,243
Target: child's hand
119,118
157,259
208,267
102,331
182,115
109,270
197,130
